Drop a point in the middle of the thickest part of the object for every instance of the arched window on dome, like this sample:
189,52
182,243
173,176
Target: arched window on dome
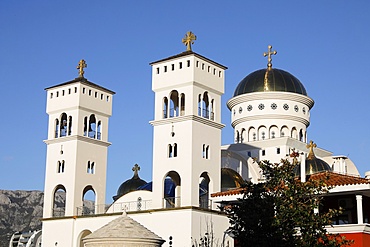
301,135
205,152
88,201
262,133
165,107
274,131
59,201
242,135
172,190
204,190
56,128
252,136
174,104
182,104
92,126
63,125
237,136
294,133
284,132
69,125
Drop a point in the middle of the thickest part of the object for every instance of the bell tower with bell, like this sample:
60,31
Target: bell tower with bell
77,146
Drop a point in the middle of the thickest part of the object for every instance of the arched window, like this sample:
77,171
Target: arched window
199,105
205,153
205,105
284,131
56,128
252,134
70,125
170,152
294,133
88,201
92,126
273,132
204,190
172,190
182,105
262,133
211,110
63,125
242,136
85,126
165,107
99,130
90,167
237,137
59,201
174,104
301,135
175,150
61,166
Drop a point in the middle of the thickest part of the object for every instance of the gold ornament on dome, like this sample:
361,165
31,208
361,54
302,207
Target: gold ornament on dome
310,146
81,65
268,55
188,40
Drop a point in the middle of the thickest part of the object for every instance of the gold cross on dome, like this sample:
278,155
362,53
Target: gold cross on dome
310,146
188,40
268,54
136,170
81,65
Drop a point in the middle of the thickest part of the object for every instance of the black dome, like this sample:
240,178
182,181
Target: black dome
130,185
276,80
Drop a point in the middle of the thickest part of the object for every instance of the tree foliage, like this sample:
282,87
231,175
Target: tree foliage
283,211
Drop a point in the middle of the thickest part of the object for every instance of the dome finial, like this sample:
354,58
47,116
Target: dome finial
268,54
310,146
136,170
188,40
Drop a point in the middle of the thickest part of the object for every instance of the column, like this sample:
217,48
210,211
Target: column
360,218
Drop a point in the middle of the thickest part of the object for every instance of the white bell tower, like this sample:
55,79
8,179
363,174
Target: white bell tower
187,128
77,145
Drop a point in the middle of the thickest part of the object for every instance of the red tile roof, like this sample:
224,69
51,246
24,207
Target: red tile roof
337,179
334,179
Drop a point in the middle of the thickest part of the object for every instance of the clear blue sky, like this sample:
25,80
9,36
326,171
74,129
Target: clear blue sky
323,43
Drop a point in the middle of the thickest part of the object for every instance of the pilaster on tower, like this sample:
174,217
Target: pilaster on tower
187,129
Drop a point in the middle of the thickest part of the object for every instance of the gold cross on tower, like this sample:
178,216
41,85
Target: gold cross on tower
81,65
188,40
310,146
136,170
268,54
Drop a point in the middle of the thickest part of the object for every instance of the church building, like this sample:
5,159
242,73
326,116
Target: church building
192,172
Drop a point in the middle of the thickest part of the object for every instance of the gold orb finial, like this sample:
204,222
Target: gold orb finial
81,65
268,54
188,40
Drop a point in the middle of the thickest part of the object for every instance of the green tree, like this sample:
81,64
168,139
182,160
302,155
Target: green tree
283,211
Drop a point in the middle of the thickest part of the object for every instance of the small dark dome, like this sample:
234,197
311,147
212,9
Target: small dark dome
276,80
313,166
131,184
230,179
